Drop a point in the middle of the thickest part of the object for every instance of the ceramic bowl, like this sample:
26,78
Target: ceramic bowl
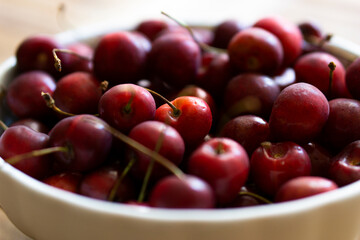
46,213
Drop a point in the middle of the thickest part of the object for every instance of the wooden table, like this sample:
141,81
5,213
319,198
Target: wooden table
21,18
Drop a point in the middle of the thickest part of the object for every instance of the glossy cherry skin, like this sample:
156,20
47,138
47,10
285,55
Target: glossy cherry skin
193,122
75,63
320,159
250,93
224,31
120,57
159,137
22,139
345,167
352,78
299,113
342,126
68,181
287,32
99,183
313,68
273,164
188,192
175,58
24,95
248,130
126,105
35,53
304,186
88,141
78,93
255,50
224,164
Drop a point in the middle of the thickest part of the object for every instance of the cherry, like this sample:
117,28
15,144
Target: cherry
345,166
126,105
224,164
35,53
175,59
250,93
341,127
310,29
120,57
255,50
191,118
87,140
68,181
186,192
78,93
214,73
224,31
313,68
304,186
19,140
248,130
273,164
158,137
152,28
320,159
34,124
24,95
99,183
287,32
352,78
299,113
76,63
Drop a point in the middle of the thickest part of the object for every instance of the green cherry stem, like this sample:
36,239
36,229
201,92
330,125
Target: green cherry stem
203,46
176,111
36,153
254,195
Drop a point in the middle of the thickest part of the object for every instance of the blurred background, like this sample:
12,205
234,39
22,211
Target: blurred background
22,18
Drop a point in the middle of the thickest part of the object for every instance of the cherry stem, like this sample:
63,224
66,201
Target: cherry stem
176,111
104,86
220,148
141,148
50,102
57,60
117,184
3,125
332,67
150,168
36,153
256,196
203,46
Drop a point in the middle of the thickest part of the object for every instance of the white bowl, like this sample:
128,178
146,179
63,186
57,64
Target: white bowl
46,213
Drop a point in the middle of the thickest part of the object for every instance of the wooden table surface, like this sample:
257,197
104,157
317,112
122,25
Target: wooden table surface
21,18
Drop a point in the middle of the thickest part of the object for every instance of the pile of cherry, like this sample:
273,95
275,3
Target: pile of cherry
168,116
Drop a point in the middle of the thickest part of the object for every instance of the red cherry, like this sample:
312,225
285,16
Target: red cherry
255,50
24,95
34,124
273,164
188,192
78,93
120,57
22,139
193,119
224,31
68,181
224,164
304,186
126,105
87,140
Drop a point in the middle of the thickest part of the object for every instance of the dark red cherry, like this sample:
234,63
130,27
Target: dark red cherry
34,124
68,181
224,31
22,139
24,95
187,192
87,140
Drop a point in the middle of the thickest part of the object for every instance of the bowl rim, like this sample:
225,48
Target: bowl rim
158,214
